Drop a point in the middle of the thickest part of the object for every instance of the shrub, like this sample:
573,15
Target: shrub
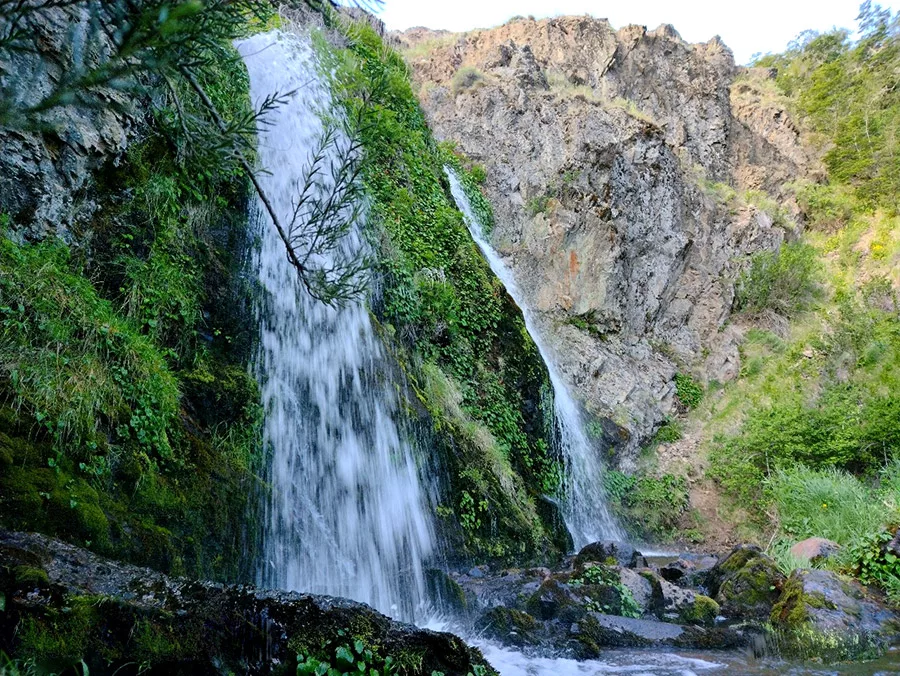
872,560
689,392
649,506
668,433
827,207
467,77
785,281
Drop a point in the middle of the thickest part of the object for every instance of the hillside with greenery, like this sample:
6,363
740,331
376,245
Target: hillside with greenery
806,442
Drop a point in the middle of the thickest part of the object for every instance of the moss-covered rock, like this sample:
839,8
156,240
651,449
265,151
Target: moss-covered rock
746,583
820,614
554,600
115,615
702,611
445,592
509,626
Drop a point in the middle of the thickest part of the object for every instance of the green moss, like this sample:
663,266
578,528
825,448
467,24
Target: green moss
154,643
702,611
508,625
753,588
134,426
59,636
26,575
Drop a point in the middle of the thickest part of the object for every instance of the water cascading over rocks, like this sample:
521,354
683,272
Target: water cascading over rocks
348,512
584,502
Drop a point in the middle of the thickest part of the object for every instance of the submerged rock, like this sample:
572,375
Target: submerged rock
63,604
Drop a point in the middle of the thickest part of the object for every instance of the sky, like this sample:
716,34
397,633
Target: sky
747,27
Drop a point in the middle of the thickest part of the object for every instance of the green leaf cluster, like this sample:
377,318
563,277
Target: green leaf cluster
650,507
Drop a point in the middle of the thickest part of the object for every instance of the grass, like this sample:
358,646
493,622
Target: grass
424,48
825,503
466,78
75,365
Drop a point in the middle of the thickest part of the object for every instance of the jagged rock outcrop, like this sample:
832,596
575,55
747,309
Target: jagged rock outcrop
60,604
612,162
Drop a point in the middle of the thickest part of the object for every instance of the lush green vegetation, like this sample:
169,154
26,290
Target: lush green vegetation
846,93
784,281
129,423
459,336
650,507
807,440
600,575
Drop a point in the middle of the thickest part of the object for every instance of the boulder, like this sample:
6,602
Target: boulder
509,626
689,570
676,604
62,604
509,588
822,614
552,600
640,588
607,552
814,549
445,592
595,633
746,583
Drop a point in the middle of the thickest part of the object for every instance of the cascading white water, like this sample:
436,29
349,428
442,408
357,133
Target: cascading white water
347,515
584,501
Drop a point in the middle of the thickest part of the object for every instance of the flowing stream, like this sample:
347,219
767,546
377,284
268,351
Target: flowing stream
584,504
348,512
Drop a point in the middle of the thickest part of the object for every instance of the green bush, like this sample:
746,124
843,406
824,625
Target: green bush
689,391
873,562
786,281
670,432
650,507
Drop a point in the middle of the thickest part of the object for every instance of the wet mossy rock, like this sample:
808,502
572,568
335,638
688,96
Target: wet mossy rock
64,604
608,552
554,600
820,611
746,583
509,626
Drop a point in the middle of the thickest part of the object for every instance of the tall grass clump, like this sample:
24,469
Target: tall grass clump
825,503
467,77
72,362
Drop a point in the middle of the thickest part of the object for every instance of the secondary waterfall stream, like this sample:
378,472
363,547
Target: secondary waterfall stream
347,515
584,506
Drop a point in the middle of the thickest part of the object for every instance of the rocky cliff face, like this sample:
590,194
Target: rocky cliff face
617,162
47,156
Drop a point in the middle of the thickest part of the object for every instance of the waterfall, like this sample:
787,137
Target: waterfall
584,506
348,514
